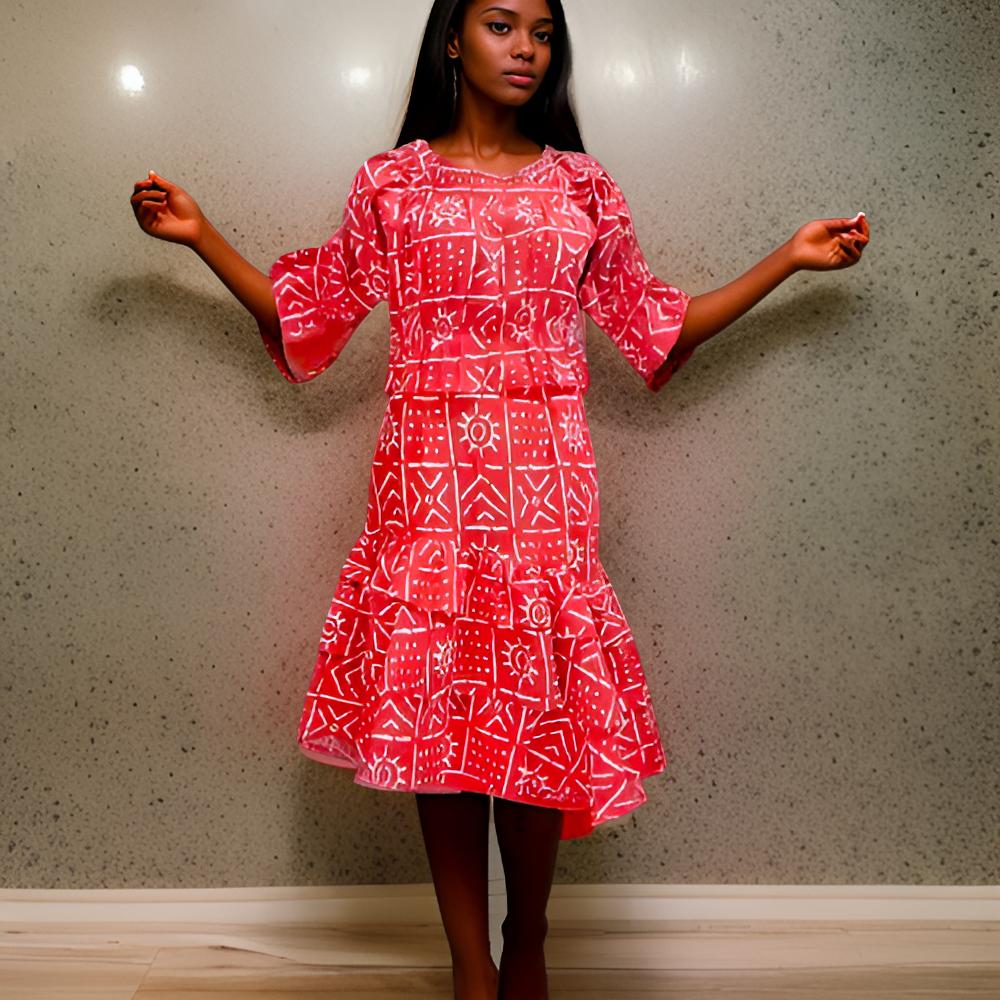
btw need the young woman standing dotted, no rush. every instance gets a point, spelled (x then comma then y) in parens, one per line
(475, 650)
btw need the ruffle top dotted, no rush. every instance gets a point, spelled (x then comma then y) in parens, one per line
(486, 276)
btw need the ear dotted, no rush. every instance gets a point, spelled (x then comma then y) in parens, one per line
(451, 46)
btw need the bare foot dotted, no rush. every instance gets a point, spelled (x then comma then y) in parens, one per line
(523, 973)
(475, 984)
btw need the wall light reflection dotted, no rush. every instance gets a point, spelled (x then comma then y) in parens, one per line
(687, 72)
(130, 79)
(358, 77)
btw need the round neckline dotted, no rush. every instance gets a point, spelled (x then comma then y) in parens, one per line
(441, 161)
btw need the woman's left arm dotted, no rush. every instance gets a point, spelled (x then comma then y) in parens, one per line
(820, 245)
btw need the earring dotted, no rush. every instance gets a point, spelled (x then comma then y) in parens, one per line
(454, 82)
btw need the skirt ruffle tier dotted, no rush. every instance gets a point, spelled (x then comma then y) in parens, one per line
(447, 668)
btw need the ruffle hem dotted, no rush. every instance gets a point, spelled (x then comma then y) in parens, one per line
(445, 668)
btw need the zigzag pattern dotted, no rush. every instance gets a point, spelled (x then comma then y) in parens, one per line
(474, 641)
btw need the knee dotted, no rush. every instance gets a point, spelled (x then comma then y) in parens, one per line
(523, 930)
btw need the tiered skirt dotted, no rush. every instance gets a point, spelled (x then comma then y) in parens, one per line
(474, 641)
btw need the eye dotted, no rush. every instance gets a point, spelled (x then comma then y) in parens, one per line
(504, 24)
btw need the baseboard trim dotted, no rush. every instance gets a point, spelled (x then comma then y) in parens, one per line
(606, 927)
(415, 903)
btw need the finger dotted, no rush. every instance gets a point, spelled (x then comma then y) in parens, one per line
(859, 235)
(154, 207)
(163, 182)
(846, 223)
(139, 203)
(848, 247)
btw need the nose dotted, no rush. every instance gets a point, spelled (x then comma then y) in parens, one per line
(523, 46)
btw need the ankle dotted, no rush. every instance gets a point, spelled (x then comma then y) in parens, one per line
(475, 968)
(524, 934)
(476, 980)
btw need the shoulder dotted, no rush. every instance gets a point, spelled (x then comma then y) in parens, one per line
(588, 181)
(392, 168)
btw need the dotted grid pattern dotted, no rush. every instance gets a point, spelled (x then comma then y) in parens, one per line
(474, 641)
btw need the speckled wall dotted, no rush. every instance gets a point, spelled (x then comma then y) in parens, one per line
(802, 527)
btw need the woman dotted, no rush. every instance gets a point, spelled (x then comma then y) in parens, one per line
(475, 649)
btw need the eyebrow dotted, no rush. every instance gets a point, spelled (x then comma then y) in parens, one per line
(504, 10)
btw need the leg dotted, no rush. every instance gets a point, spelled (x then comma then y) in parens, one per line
(528, 837)
(456, 835)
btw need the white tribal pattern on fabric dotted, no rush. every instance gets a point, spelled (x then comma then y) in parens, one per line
(474, 640)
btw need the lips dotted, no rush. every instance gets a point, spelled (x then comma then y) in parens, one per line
(529, 76)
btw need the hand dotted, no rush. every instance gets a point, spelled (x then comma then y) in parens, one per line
(828, 244)
(166, 211)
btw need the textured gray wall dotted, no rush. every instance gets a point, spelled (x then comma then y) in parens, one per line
(802, 527)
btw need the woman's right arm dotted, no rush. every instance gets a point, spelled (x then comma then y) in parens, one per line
(169, 213)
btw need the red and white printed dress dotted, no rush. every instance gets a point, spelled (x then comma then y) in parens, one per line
(474, 641)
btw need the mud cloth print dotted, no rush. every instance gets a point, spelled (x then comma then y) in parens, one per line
(474, 640)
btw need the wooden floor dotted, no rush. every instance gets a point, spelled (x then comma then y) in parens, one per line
(181, 962)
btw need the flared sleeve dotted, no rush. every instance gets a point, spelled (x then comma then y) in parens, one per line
(323, 293)
(639, 312)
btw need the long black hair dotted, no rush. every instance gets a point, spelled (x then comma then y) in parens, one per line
(432, 107)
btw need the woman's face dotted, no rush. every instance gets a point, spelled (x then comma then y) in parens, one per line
(502, 38)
